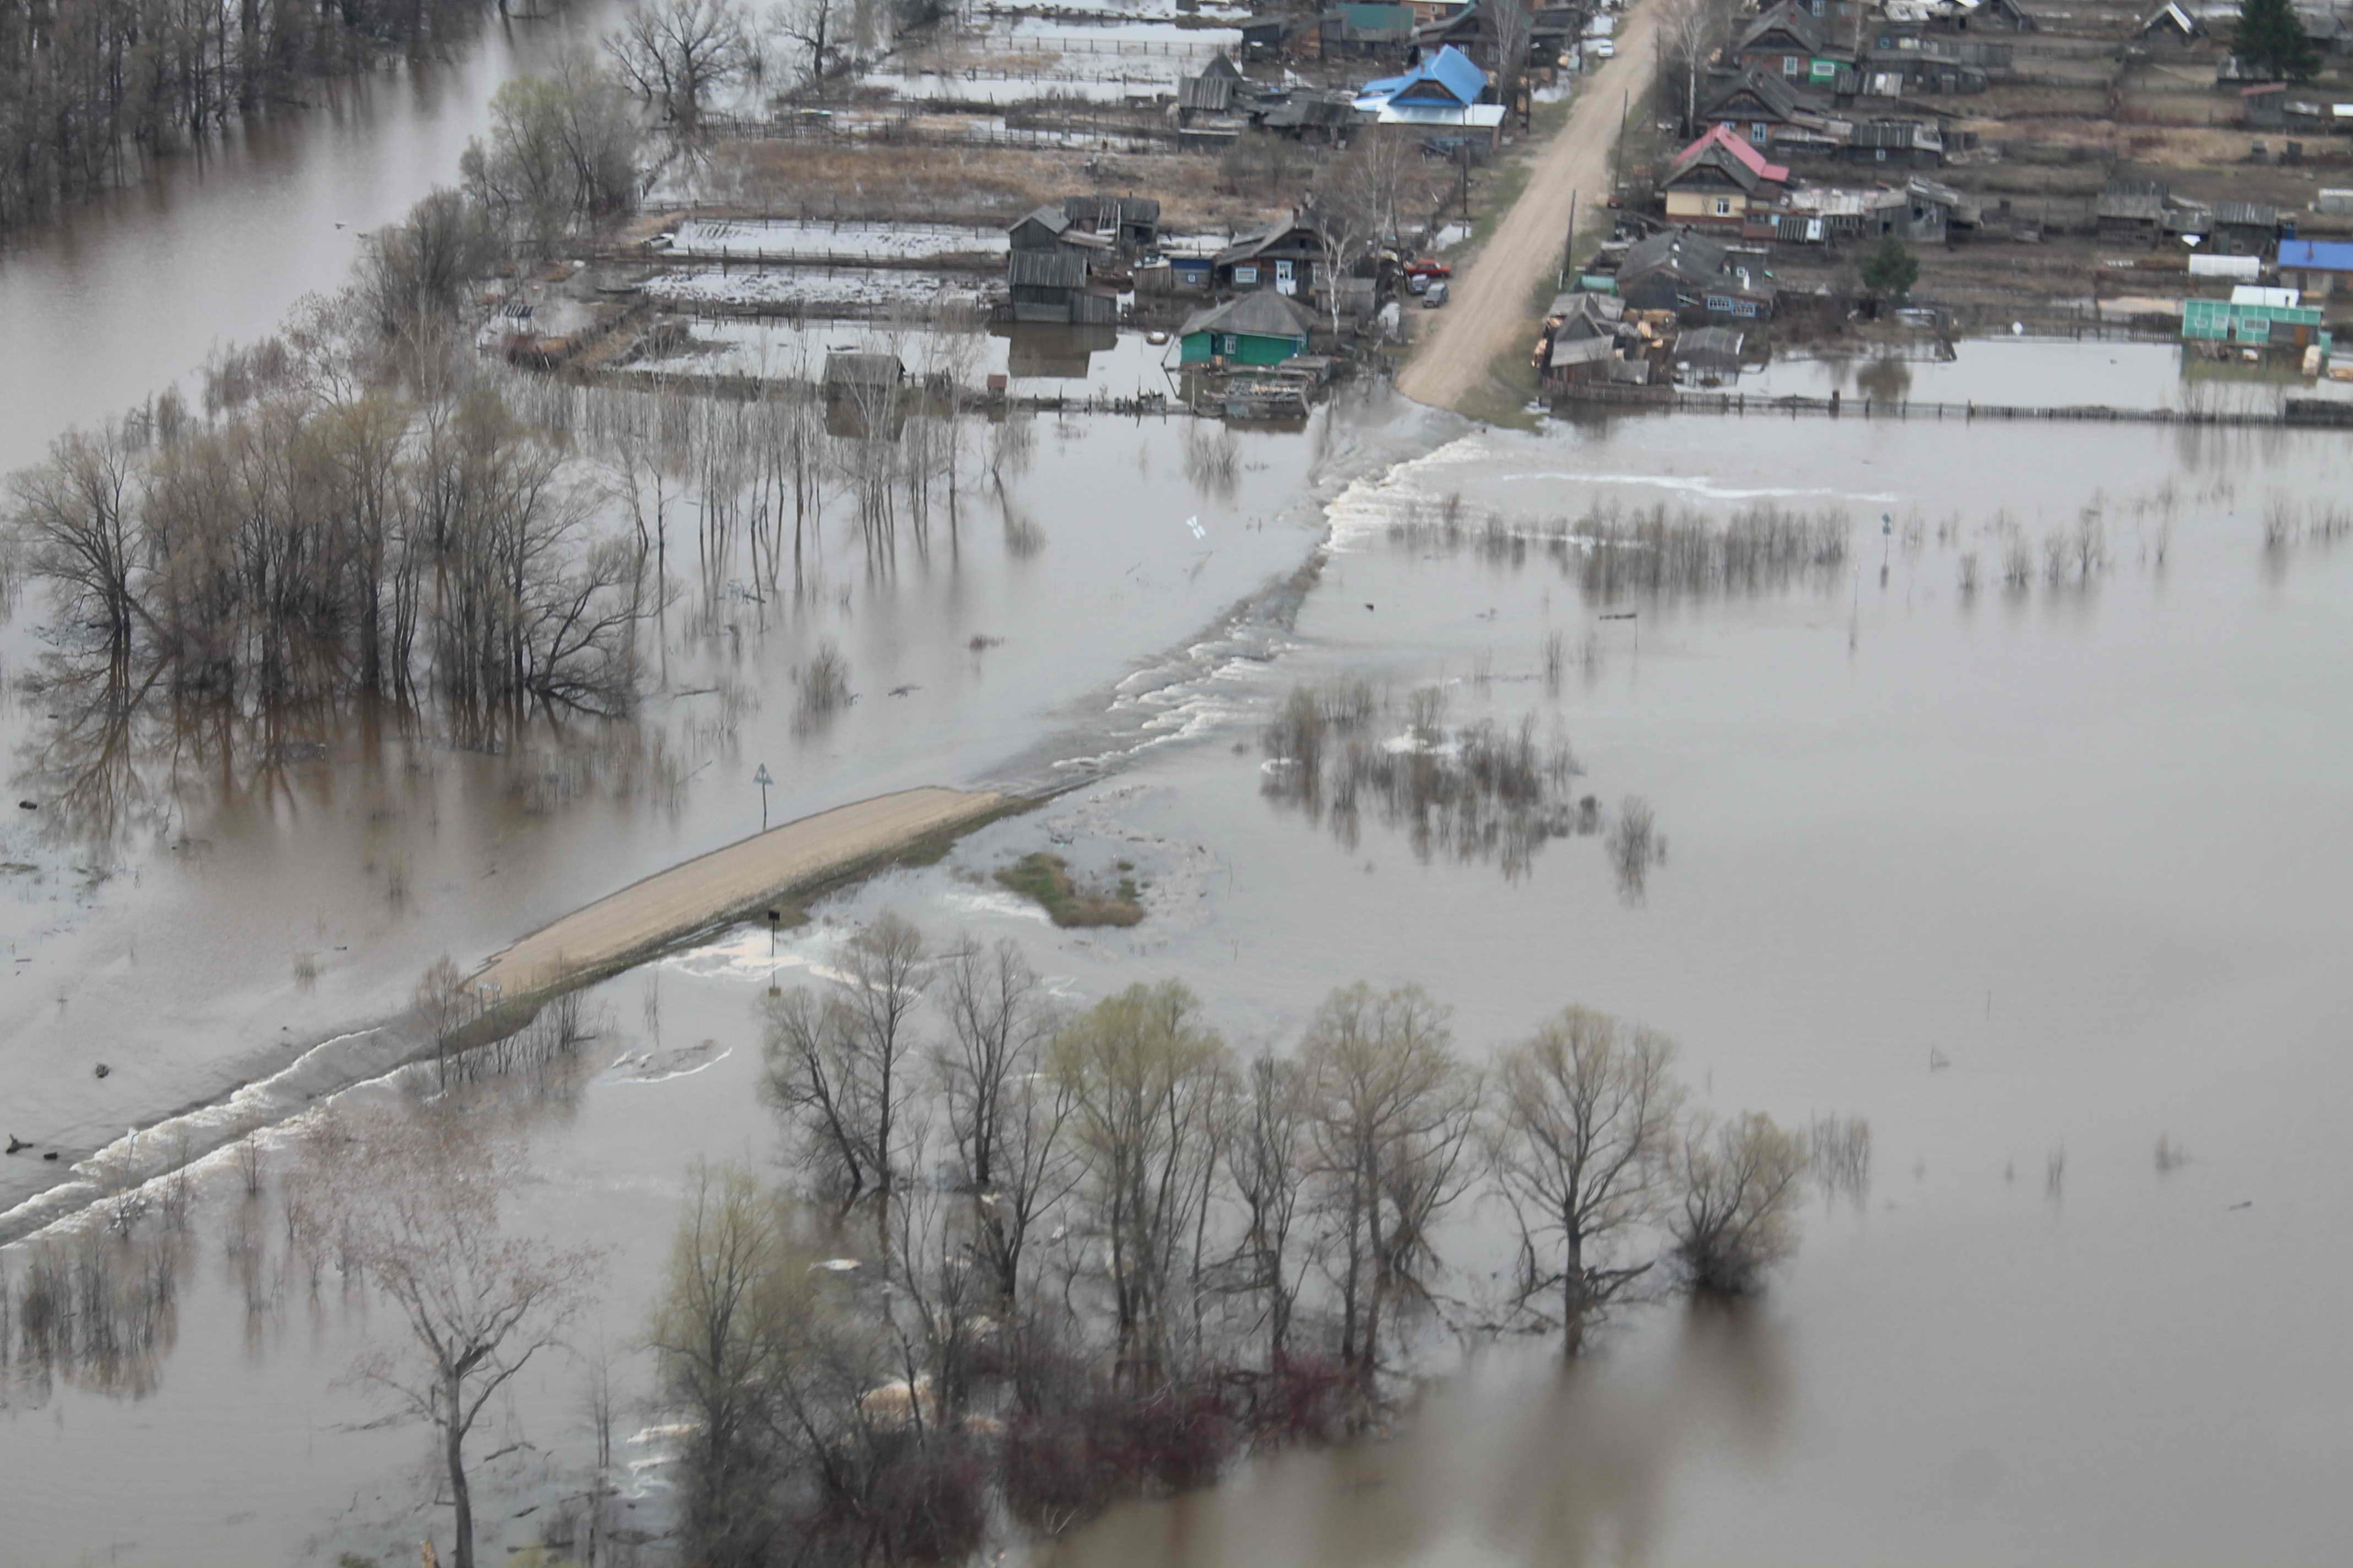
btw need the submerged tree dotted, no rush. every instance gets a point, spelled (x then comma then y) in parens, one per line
(733, 1284)
(413, 1198)
(842, 1063)
(1393, 1109)
(1741, 1183)
(677, 54)
(1146, 1082)
(1584, 1132)
(1005, 1115)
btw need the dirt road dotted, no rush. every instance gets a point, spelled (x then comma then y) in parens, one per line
(1490, 310)
(687, 897)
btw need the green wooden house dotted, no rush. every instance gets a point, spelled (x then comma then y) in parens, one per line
(1260, 328)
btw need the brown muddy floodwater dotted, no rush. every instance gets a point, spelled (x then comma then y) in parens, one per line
(126, 294)
(2032, 871)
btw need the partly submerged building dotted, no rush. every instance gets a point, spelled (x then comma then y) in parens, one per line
(1263, 328)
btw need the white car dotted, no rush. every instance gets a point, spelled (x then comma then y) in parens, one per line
(1601, 49)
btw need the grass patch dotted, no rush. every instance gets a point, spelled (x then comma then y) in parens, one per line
(1046, 880)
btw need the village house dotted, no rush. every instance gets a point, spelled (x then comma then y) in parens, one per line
(1049, 263)
(1787, 40)
(1899, 63)
(1130, 223)
(1769, 114)
(1263, 328)
(2270, 319)
(1323, 119)
(2317, 268)
(1365, 32)
(1580, 339)
(1904, 143)
(2242, 228)
(2169, 27)
(2131, 212)
(1448, 79)
(1718, 180)
(1831, 215)
(1678, 270)
(1965, 15)
(1286, 256)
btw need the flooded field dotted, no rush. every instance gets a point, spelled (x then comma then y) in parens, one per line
(1989, 784)
(274, 899)
(2040, 374)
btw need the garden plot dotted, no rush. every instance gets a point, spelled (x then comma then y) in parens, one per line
(822, 240)
(846, 289)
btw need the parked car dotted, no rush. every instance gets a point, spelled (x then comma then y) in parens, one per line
(1428, 268)
(1601, 49)
(1434, 296)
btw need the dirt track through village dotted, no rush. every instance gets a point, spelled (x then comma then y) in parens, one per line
(1490, 312)
(690, 896)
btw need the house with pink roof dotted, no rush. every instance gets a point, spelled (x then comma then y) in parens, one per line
(1718, 180)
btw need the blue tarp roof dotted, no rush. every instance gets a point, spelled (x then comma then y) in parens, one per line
(1450, 68)
(2322, 256)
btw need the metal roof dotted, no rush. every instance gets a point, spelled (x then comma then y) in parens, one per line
(1264, 314)
(2317, 255)
(1056, 268)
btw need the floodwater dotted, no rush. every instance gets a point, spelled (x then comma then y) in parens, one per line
(128, 293)
(2042, 867)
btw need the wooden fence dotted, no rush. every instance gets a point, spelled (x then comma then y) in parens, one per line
(2304, 414)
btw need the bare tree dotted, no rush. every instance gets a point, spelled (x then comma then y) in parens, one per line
(1005, 1115)
(1584, 1129)
(1515, 25)
(676, 54)
(413, 1197)
(1687, 29)
(1145, 1080)
(1742, 1181)
(1267, 1162)
(1365, 200)
(814, 26)
(1393, 1109)
(841, 1061)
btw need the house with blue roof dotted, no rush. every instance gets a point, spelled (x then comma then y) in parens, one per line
(1447, 80)
(2318, 268)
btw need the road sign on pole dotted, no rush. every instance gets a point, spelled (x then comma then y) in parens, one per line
(762, 780)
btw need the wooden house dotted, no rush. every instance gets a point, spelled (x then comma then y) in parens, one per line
(2242, 228)
(1364, 31)
(2131, 212)
(1718, 180)
(1286, 256)
(1263, 328)
(1901, 143)
(1774, 116)
(1680, 271)
(1789, 41)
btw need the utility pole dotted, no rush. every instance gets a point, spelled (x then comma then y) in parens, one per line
(1618, 149)
(1569, 251)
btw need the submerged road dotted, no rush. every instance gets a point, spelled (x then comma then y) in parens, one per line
(1492, 311)
(692, 895)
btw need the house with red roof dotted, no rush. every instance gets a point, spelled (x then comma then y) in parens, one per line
(1718, 180)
